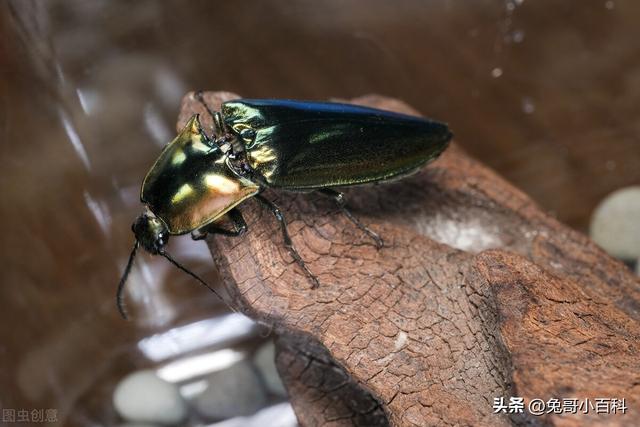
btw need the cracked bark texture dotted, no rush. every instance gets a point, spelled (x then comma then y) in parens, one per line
(477, 294)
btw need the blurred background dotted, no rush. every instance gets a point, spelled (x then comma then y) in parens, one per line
(545, 92)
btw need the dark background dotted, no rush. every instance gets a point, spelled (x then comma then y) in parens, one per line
(546, 92)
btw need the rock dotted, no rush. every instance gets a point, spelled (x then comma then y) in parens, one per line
(231, 392)
(142, 397)
(615, 224)
(264, 360)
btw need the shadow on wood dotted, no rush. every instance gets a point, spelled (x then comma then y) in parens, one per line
(476, 295)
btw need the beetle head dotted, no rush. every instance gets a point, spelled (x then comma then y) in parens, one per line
(151, 233)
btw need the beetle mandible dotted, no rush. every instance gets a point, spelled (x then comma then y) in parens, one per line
(280, 144)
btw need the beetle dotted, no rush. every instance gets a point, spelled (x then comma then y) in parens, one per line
(280, 144)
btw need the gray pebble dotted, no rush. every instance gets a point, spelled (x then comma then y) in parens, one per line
(264, 359)
(231, 392)
(142, 397)
(615, 223)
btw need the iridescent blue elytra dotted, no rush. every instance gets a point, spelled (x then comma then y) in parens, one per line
(280, 144)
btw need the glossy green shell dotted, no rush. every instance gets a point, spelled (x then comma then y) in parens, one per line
(309, 145)
(190, 184)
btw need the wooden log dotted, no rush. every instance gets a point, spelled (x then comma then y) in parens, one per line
(477, 295)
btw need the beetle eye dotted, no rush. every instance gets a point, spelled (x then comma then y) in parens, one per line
(162, 239)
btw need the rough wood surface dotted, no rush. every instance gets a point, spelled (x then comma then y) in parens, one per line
(477, 295)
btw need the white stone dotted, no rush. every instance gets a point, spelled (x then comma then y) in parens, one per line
(142, 397)
(264, 360)
(615, 223)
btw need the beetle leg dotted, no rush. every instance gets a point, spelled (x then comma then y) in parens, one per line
(342, 204)
(287, 239)
(239, 227)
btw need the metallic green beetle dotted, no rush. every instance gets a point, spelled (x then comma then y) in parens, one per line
(286, 145)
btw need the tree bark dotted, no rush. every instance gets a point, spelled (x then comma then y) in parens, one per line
(476, 295)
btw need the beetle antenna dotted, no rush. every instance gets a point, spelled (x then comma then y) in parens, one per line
(123, 280)
(190, 273)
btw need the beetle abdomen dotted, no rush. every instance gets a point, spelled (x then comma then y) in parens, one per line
(307, 145)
